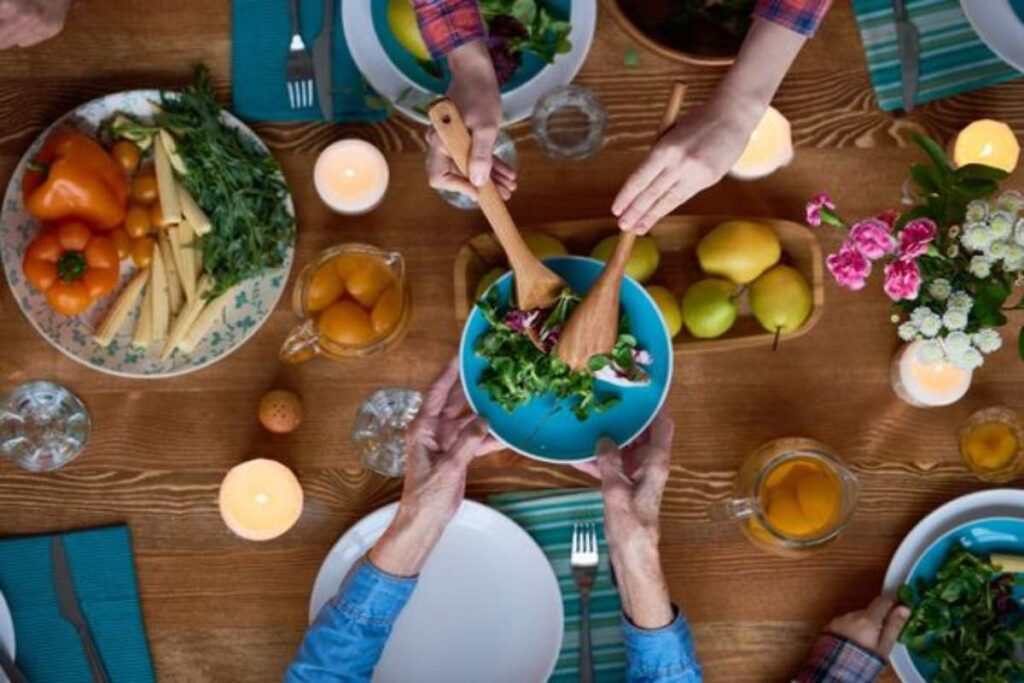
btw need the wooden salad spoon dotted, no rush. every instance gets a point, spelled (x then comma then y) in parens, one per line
(593, 326)
(536, 285)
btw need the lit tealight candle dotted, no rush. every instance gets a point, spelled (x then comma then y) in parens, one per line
(928, 384)
(986, 142)
(769, 148)
(260, 499)
(351, 176)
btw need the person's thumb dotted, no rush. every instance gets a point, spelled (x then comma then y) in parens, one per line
(467, 446)
(480, 155)
(894, 623)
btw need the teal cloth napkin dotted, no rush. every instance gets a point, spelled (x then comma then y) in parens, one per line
(48, 648)
(548, 517)
(953, 59)
(260, 33)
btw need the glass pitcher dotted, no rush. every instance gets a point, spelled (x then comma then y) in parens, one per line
(792, 495)
(371, 287)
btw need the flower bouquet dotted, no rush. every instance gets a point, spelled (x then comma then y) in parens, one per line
(950, 262)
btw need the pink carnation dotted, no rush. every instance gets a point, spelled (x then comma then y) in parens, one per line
(849, 267)
(871, 237)
(814, 207)
(916, 236)
(902, 280)
(889, 217)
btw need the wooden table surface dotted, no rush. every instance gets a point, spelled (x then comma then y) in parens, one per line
(221, 609)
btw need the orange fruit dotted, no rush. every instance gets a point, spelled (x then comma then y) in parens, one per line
(346, 263)
(386, 311)
(367, 282)
(345, 322)
(325, 287)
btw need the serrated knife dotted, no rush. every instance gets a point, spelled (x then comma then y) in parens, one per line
(909, 47)
(322, 63)
(67, 602)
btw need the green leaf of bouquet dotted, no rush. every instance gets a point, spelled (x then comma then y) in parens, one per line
(913, 214)
(934, 152)
(976, 188)
(1020, 343)
(980, 171)
(926, 178)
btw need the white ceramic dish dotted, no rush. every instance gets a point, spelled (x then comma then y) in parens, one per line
(6, 634)
(254, 303)
(411, 98)
(487, 606)
(942, 520)
(999, 27)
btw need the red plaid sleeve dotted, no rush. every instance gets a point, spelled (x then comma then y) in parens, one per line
(802, 16)
(835, 659)
(447, 24)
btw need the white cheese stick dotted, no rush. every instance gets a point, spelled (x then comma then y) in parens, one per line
(120, 309)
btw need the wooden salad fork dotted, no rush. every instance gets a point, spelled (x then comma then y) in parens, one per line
(536, 285)
(593, 327)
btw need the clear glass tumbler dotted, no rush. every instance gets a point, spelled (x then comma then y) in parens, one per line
(569, 122)
(379, 429)
(504, 149)
(43, 426)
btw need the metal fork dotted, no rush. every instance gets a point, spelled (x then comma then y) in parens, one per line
(583, 560)
(299, 66)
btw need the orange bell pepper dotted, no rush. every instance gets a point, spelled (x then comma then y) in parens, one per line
(72, 266)
(74, 177)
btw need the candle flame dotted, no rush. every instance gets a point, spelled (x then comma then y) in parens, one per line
(987, 149)
(262, 498)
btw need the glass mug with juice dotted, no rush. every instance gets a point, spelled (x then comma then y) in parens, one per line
(793, 495)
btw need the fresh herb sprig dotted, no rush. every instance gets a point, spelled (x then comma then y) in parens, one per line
(967, 622)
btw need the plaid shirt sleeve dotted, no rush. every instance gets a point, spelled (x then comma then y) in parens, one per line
(447, 24)
(802, 16)
(835, 659)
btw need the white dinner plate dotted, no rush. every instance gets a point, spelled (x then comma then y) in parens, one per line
(253, 304)
(942, 520)
(6, 634)
(487, 606)
(999, 27)
(411, 98)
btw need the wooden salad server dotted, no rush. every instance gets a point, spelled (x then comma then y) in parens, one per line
(536, 285)
(593, 326)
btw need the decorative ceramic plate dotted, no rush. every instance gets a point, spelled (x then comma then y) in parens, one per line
(6, 634)
(1000, 24)
(397, 76)
(253, 304)
(487, 606)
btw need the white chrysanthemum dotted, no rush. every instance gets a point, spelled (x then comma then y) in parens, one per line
(956, 343)
(976, 237)
(981, 266)
(940, 288)
(971, 359)
(954, 320)
(960, 301)
(976, 211)
(1000, 224)
(988, 340)
(1011, 200)
(1018, 232)
(1014, 259)
(997, 250)
(930, 352)
(907, 331)
(927, 321)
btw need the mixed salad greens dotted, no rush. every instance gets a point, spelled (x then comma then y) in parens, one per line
(968, 622)
(517, 26)
(521, 364)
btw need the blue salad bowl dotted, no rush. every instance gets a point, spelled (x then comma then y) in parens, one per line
(545, 428)
(1003, 535)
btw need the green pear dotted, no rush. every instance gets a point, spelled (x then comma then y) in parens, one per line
(643, 261)
(709, 307)
(781, 299)
(739, 250)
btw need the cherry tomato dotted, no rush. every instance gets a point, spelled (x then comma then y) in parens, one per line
(73, 236)
(142, 252)
(156, 216)
(137, 222)
(123, 243)
(127, 154)
(69, 298)
(144, 188)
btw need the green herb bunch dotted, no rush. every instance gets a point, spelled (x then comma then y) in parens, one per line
(967, 623)
(546, 35)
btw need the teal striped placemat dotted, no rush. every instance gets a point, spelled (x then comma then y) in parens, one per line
(548, 517)
(953, 59)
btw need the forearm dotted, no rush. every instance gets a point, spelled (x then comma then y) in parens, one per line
(404, 547)
(447, 24)
(641, 583)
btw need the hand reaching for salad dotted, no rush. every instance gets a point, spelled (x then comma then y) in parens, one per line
(27, 22)
(875, 627)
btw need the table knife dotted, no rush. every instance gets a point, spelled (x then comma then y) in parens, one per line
(9, 669)
(909, 50)
(67, 602)
(322, 62)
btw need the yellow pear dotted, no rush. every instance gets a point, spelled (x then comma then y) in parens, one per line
(402, 21)
(488, 279)
(739, 250)
(643, 261)
(781, 299)
(544, 245)
(668, 304)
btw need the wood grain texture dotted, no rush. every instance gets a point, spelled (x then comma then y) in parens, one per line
(221, 609)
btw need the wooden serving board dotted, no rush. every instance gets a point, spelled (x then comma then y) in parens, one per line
(677, 238)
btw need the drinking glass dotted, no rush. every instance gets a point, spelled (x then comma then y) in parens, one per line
(504, 149)
(43, 426)
(569, 122)
(379, 429)
(990, 444)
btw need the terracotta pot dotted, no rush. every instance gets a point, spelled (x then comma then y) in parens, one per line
(649, 43)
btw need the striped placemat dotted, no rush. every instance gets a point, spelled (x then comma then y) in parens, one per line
(548, 517)
(952, 60)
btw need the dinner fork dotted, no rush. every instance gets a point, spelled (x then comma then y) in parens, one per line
(299, 66)
(583, 560)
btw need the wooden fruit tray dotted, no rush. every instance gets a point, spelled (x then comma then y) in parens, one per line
(677, 238)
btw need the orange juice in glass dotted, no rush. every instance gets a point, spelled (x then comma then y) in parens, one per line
(793, 495)
(990, 444)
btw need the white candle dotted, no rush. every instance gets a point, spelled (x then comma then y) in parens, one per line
(986, 142)
(769, 148)
(351, 176)
(260, 499)
(925, 384)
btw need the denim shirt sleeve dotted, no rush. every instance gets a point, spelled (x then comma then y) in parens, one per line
(347, 638)
(661, 655)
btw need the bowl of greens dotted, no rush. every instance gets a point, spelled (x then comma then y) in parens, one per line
(966, 593)
(534, 403)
